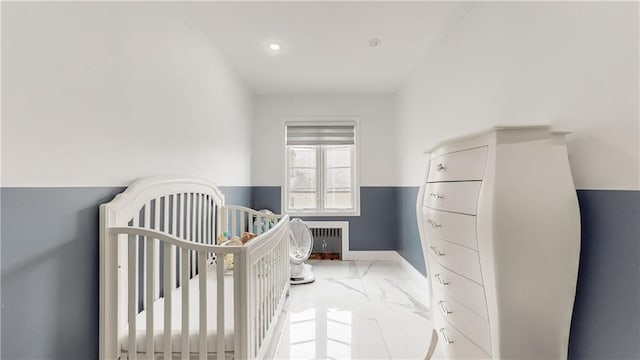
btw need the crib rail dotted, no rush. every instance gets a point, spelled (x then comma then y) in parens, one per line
(239, 219)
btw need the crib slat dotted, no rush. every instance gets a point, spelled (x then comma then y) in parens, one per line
(169, 269)
(269, 289)
(187, 216)
(207, 224)
(156, 267)
(271, 282)
(202, 263)
(265, 298)
(212, 222)
(165, 207)
(239, 279)
(220, 328)
(201, 218)
(180, 221)
(222, 225)
(253, 308)
(185, 303)
(145, 274)
(194, 233)
(242, 216)
(196, 218)
(233, 223)
(150, 295)
(132, 292)
(250, 223)
(262, 288)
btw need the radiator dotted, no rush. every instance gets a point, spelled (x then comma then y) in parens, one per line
(329, 239)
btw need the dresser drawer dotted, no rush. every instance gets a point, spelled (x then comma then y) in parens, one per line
(456, 258)
(464, 320)
(460, 197)
(456, 228)
(453, 344)
(457, 166)
(458, 287)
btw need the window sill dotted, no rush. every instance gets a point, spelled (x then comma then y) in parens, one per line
(323, 214)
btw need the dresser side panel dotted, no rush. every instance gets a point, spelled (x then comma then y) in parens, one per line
(535, 245)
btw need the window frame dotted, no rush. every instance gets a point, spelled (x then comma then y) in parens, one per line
(321, 169)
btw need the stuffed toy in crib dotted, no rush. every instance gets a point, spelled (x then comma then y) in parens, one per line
(234, 241)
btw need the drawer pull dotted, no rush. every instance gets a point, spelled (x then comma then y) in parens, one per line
(434, 224)
(446, 339)
(442, 282)
(444, 309)
(436, 196)
(440, 167)
(436, 251)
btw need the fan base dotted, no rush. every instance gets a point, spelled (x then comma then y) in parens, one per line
(301, 274)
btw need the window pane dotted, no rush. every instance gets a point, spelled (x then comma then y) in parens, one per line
(338, 200)
(338, 194)
(302, 156)
(338, 179)
(338, 156)
(300, 200)
(303, 189)
(302, 180)
(303, 175)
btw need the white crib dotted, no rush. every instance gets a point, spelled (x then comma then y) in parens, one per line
(164, 289)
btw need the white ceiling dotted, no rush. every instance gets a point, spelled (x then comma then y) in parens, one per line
(325, 45)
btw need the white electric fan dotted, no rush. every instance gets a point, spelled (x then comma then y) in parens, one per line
(300, 245)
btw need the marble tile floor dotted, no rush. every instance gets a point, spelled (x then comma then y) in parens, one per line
(356, 310)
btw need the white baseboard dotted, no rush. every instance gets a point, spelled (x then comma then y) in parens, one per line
(369, 255)
(417, 275)
(385, 255)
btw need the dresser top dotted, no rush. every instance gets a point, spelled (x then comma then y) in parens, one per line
(496, 128)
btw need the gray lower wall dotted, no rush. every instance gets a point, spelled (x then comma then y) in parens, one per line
(49, 269)
(606, 316)
(409, 245)
(50, 264)
(375, 229)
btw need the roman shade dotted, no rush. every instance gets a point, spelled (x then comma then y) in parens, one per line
(320, 134)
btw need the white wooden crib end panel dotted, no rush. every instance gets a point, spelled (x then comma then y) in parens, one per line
(143, 190)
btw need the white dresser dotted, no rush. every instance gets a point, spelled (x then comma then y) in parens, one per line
(500, 228)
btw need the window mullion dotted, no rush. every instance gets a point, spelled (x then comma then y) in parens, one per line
(321, 176)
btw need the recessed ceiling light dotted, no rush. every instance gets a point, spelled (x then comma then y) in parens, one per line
(374, 42)
(274, 46)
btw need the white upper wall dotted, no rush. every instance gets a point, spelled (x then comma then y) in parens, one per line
(573, 65)
(376, 133)
(98, 94)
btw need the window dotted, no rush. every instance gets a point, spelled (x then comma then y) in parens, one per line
(321, 169)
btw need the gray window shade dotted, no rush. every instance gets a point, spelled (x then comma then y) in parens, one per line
(321, 135)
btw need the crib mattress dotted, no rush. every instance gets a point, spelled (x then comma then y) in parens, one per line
(194, 318)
